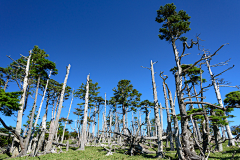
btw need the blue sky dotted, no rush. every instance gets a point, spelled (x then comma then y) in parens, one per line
(111, 40)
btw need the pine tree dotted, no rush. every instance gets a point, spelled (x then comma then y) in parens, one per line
(127, 97)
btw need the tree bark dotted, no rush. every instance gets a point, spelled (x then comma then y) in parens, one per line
(20, 111)
(231, 141)
(24, 151)
(67, 117)
(83, 135)
(156, 113)
(94, 120)
(169, 122)
(51, 135)
(6, 83)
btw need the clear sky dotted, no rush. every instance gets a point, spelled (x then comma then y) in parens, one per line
(111, 39)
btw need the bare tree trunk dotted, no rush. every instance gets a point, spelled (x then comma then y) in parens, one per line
(175, 120)
(24, 151)
(51, 135)
(110, 129)
(217, 136)
(124, 119)
(98, 121)
(157, 120)
(40, 107)
(140, 122)
(84, 126)
(67, 117)
(197, 132)
(42, 136)
(148, 124)
(56, 107)
(231, 141)
(115, 126)
(104, 118)
(223, 133)
(20, 111)
(103, 128)
(39, 110)
(53, 104)
(94, 120)
(169, 128)
(133, 127)
(88, 124)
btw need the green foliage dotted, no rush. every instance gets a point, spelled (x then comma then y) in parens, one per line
(198, 117)
(39, 64)
(9, 102)
(235, 130)
(174, 23)
(5, 140)
(232, 98)
(192, 73)
(93, 98)
(144, 107)
(126, 96)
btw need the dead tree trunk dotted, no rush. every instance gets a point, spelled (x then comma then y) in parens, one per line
(51, 135)
(84, 125)
(175, 120)
(67, 117)
(218, 95)
(94, 120)
(169, 122)
(24, 151)
(20, 111)
(157, 120)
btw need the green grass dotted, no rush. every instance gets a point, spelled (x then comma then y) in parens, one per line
(99, 153)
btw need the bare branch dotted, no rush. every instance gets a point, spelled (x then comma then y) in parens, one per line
(223, 71)
(17, 62)
(221, 63)
(146, 67)
(185, 70)
(24, 56)
(14, 132)
(210, 104)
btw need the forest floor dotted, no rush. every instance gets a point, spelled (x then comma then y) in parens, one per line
(99, 153)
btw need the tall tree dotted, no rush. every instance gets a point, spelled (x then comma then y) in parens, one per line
(22, 101)
(84, 127)
(219, 99)
(145, 105)
(127, 97)
(175, 24)
(51, 135)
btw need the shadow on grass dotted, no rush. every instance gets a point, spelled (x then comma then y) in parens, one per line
(73, 148)
(228, 154)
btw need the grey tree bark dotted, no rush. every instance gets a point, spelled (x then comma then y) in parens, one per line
(169, 122)
(231, 141)
(51, 135)
(20, 111)
(175, 120)
(67, 117)
(156, 113)
(24, 151)
(94, 120)
(84, 125)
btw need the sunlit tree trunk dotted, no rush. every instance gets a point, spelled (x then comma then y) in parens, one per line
(219, 99)
(51, 135)
(156, 113)
(169, 126)
(84, 125)
(24, 151)
(67, 117)
(20, 111)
